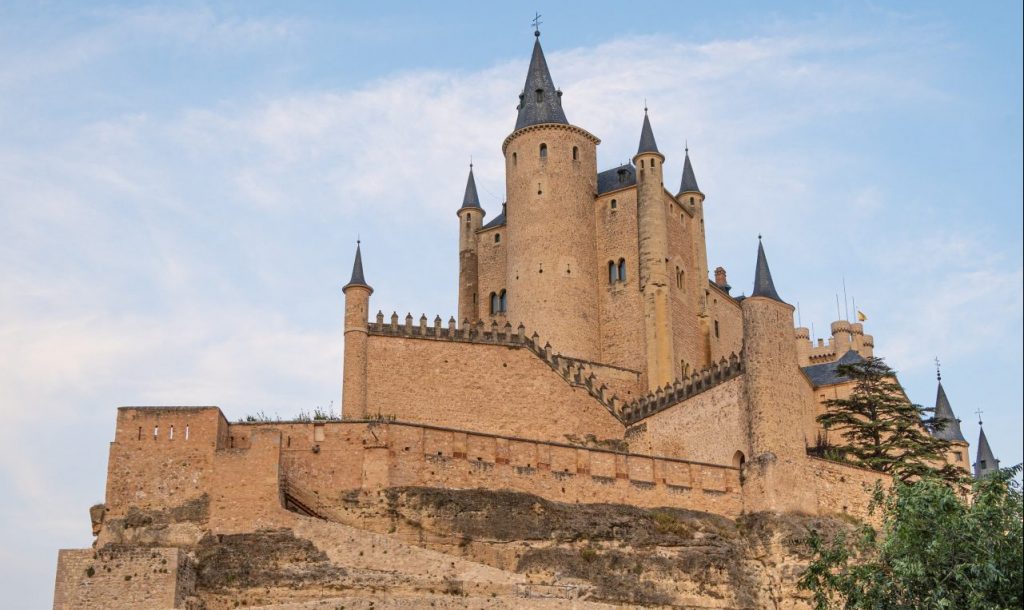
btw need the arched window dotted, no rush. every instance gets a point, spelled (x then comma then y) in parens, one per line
(494, 303)
(468, 218)
(497, 238)
(575, 153)
(613, 272)
(503, 302)
(622, 270)
(738, 459)
(691, 200)
(543, 151)
(679, 278)
(641, 163)
(615, 204)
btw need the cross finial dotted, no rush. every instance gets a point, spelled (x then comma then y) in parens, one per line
(686, 146)
(978, 413)
(938, 369)
(536, 24)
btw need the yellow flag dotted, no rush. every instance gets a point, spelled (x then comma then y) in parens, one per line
(860, 316)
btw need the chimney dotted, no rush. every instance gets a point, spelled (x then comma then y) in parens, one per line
(720, 279)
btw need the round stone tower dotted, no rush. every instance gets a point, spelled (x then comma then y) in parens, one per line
(357, 303)
(470, 216)
(551, 182)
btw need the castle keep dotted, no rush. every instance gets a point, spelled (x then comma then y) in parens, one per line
(591, 361)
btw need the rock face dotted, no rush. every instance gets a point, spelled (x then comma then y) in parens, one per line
(417, 547)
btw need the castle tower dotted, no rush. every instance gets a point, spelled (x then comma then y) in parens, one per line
(653, 247)
(958, 452)
(471, 216)
(778, 399)
(987, 462)
(357, 305)
(692, 198)
(551, 179)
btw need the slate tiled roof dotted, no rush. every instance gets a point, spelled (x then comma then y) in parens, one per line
(616, 178)
(689, 182)
(357, 270)
(763, 284)
(647, 143)
(497, 221)
(944, 411)
(546, 109)
(827, 374)
(470, 199)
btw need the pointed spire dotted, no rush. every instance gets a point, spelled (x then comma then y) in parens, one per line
(357, 270)
(689, 183)
(987, 462)
(540, 102)
(471, 199)
(944, 412)
(647, 143)
(763, 284)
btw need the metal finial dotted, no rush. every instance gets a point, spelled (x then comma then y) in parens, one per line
(536, 24)
(645, 105)
(758, 237)
(686, 146)
(978, 413)
(470, 161)
(938, 369)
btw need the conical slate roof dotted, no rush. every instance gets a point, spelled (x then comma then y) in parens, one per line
(987, 462)
(763, 284)
(539, 102)
(357, 270)
(471, 199)
(944, 412)
(689, 183)
(647, 143)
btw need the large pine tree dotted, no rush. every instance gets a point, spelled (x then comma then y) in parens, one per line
(882, 430)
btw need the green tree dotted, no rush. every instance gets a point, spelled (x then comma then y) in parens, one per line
(937, 550)
(882, 430)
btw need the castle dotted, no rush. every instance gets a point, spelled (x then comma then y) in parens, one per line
(592, 360)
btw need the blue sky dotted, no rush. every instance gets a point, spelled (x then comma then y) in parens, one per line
(181, 188)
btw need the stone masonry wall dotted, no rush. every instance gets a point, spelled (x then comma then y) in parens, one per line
(490, 388)
(687, 428)
(491, 257)
(140, 578)
(843, 489)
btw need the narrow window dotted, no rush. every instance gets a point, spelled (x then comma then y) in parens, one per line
(497, 238)
(613, 273)
(186, 432)
(494, 303)
(716, 329)
(468, 218)
(540, 95)
(503, 302)
(622, 270)
(171, 434)
(156, 432)
(575, 153)
(681, 216)
(691, 200)
(615, 204)
(140, 433)
(679, 278)
(543, 151)
(653, 161)
(641, 163)
(515, 160)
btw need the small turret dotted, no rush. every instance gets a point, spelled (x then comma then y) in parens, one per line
(357, 304)
(689, 181)
(471, 216)
(987, 462)
(654, 279)
(764, 286)
(944, 412)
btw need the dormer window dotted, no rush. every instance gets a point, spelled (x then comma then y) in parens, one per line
(623, 175)
(540, 95)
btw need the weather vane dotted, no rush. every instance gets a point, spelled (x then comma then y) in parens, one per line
(536, 24)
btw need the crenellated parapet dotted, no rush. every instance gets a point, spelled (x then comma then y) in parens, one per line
(575, 372)
(682, 389)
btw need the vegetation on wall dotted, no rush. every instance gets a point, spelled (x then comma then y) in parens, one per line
(882, 430)
(936, 549)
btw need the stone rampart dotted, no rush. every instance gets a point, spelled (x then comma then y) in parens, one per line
(842, 488)
(143, 578)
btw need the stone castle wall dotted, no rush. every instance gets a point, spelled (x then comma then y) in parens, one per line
(124, 577)
(499, 389)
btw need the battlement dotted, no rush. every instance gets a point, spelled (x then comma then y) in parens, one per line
(576, 372)
(682, 389)
(845, 336)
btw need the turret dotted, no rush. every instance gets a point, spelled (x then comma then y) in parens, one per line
(653, 248)
(986, 463)
(779, 400)
(949, 430)
(551, 178)
(357, 303)
(691, 196)
(470, 218)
